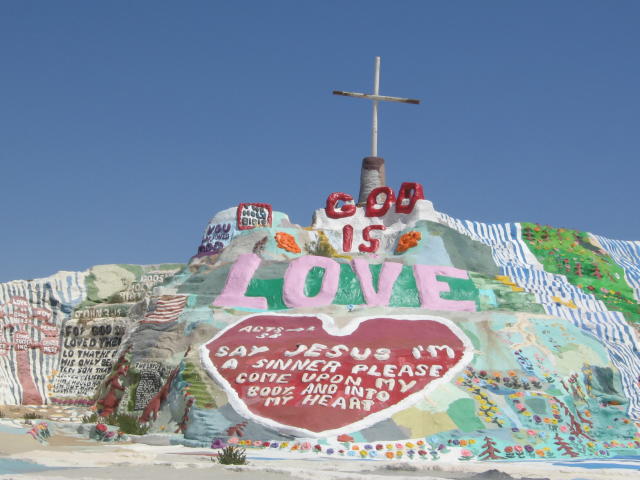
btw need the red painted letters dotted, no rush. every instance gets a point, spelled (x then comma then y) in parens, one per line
(374, 243)
(347, 238)
(347, 209)
(410, 192)
(372, 202)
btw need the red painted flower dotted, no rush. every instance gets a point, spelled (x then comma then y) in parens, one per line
(101, 427)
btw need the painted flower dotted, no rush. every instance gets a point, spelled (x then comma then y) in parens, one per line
(101, 427)
(218, 443)
(466, 453)
(518, 448)
(389, 455)
(330, 451)
(407, 241)
(287, 242)
(233, 441)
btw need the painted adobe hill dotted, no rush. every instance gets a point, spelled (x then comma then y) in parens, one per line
(386, 330)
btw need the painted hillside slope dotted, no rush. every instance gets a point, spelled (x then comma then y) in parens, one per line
(389, 331)
(59, 335)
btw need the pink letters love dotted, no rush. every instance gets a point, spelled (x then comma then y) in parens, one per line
(429, 288)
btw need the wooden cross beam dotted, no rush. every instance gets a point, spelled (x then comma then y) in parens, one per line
(376, 97)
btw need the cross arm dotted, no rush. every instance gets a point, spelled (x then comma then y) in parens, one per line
(382, 98)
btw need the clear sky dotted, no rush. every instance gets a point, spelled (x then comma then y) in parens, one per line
(124, 126)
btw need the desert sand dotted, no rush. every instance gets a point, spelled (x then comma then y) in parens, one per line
(70, 456)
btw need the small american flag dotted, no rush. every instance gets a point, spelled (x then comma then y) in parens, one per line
(168, 308)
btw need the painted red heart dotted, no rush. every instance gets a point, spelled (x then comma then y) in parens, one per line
(302, 375)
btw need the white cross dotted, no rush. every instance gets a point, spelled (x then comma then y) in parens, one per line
(376, 97)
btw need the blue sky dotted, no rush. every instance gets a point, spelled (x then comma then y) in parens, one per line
(124, 126)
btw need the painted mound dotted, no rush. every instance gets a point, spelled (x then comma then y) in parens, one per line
(391, 331)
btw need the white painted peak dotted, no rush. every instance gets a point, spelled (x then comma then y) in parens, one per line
(224, 216)
(392, 221)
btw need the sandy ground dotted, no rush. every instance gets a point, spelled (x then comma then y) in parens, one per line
(75, 458)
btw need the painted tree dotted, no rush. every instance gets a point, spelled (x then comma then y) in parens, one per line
(24, 327)
(574, 426)
(490, 450)
(113, 388)
(564, 447)
(150, 413)
(237, 430)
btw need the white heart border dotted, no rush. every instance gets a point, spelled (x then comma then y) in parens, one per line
(329, 326)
